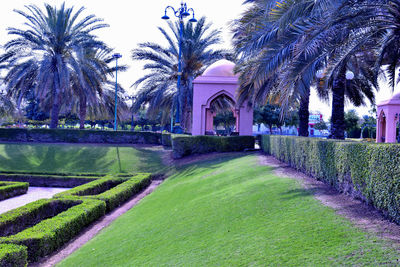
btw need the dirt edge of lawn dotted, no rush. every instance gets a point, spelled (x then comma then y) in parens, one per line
(359, 213)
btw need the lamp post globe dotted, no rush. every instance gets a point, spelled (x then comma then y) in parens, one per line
(116, 56)
(181, 13)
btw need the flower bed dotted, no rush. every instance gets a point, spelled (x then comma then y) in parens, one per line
(366, 171)
(45, 225)
(12, 189)
(111, 190)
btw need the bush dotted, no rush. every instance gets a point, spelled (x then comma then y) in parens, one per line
(12, 189)
(111, 190)
(13, 255)
(187, 145)
(47, 235)
(79, 136)
(166, 139)
(48, 180)
(366, 171)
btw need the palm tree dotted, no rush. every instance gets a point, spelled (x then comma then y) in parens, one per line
(44, 56)
(265, 40)
(158, 88)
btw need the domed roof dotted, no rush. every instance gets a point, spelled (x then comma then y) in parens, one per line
(394, 100)
(221, 68)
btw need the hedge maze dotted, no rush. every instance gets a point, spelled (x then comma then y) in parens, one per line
(12, 189)
(41, 227)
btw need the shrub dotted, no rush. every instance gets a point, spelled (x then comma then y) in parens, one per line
(366, 171)
(111, 190)
(13, 255)
(79, 136)
(48, 235)
(166, 139)
(12, 189)
(187, 145)
(48, 180)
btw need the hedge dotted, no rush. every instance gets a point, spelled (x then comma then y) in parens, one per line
(78, 136)
(187, 145)
(111, 190)
(47, 235)
(48, 180)
(166, 139)
(12, 189)
(13, 255)
(367, 171)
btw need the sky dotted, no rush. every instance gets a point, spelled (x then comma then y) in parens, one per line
(136, 21)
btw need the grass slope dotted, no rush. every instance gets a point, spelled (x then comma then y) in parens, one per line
(74, 158)
(231, 211)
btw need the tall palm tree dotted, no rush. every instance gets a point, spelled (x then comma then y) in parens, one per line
(44, 56)
(265, 41)
(158, 88)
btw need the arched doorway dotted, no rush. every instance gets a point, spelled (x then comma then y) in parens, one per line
(218, 83)
(382, 127)
(221, 112)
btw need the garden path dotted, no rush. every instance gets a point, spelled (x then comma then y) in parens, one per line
(359, 213)
(33, 194)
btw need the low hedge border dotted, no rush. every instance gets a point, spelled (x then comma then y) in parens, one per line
(188, 145)
(366, 171)
(48, 180)
(113, 197)
(13, 255)
(50, 234)
(166, 139)
(78, 136)
(12, 189)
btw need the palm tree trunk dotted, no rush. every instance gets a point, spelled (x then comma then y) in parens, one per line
(55, 111)
(337, 122)
(82, 111)
(304, 114)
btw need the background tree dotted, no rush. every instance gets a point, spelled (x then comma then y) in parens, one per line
(351, 124)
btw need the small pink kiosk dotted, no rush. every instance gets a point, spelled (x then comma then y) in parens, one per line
(387, 121)
(218, 80)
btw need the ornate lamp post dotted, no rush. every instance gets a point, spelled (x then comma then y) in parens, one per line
(181, 13)
(116, 56)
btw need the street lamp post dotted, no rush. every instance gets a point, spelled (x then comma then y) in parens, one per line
(180, 13)
(116, 56)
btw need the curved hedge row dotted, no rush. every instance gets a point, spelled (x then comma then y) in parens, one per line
(13, 255)
(185, 145)
(46, 236)
(111, 190)
(367, 171)
(12, 189)
(78, 136)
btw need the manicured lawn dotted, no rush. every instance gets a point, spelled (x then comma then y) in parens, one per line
(231, 212)
(77, 158)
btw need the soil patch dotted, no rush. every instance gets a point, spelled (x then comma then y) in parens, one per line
(359, 213)
(93, 230)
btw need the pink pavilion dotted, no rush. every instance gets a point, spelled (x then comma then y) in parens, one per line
(218, 80)
(388, 117)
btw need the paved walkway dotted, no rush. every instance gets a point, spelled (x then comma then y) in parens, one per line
(33, 194)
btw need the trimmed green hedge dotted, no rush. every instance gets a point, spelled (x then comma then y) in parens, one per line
(187, 145)
(46, 236)
(48, 180)
(111, 190)
(13, 255)
(166, 139)
(370, 172)
(78, 136)
(12, 189)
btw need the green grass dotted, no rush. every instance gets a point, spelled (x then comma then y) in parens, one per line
(231, 212)
(77, 158)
